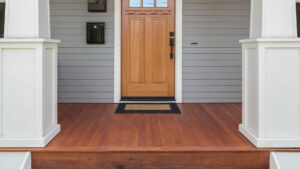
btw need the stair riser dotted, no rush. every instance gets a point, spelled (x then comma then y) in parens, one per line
(151, 160)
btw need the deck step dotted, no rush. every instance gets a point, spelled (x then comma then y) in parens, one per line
(15, 160)
(285, 160)
(151, 160)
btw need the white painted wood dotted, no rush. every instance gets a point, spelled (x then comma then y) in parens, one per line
(28, 76)
(15, 160)
(284, 160)
(271, 76)
(44, 30)
(271, 92)
(273, 18)
(273, 161)
(117, 51)
(178, 52)
(28, 92)
(27, 19)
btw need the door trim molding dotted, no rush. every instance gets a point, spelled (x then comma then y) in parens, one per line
(117, 50)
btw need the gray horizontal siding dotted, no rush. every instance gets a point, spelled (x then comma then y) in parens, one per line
(212, 68)
(85, 72)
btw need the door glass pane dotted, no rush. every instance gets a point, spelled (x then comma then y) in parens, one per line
(161, 3)
(148, 3)
(134, 3)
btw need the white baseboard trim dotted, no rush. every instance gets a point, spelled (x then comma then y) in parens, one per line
(51, 134)
(275, 142)
(248, 134)
(30, 142)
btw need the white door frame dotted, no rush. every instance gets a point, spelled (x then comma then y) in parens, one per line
(117, 51)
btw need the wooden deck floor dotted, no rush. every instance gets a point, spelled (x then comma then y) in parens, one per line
(203, 136)
(200, 127)
(95, 127)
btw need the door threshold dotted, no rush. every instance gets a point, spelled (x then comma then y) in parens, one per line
(148, 102)
(149, 99)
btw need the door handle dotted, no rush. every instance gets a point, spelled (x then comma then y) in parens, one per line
(172, 43)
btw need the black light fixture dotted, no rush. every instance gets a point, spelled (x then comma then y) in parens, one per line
(97, 5)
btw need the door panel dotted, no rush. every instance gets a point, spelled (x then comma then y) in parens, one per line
(147, 69)
(159, 53)
(137, 50)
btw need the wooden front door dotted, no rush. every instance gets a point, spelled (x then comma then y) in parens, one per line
(147, 64)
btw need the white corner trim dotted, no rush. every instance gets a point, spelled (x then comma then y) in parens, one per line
(117, 51)
(30, 142)
(178, 51)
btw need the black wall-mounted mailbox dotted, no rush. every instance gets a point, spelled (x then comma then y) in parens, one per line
(95, 33)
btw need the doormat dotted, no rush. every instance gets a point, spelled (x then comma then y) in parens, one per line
(162, 108)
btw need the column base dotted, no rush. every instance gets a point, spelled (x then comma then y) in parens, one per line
(30, 142)
(271, 87)
(28, 92)
(280, 142)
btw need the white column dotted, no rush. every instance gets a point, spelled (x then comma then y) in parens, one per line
(27, 19)
(273, 19)
(28, 76)
(271, 76)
